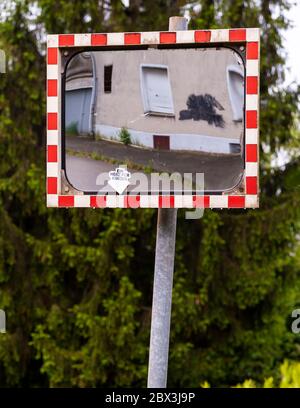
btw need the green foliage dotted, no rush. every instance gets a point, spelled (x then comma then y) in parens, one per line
(289, 378)
(124, 136)
(76, 284)
(106, 337)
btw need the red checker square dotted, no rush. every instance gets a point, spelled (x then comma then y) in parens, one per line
(98, 201)
(237, 35)
(66, 40)
(52, 87)
(99, 39)
(66, 201)
(52, 154)
(251, 119)
(252, 50)
(236, 202)
(202, 36)
(201, 201)
(251, 152)
(52, 121)
(51, 185)
(251, 185)
(166, 202)
(132, 201)
(52, 54)
(132, 38)
(251, 85)
(167, 38)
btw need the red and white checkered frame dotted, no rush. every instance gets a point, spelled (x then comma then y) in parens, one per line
(247, 36)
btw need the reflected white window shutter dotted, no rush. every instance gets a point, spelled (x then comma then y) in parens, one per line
(156, 89)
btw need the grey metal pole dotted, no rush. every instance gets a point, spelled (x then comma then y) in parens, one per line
(163, 280)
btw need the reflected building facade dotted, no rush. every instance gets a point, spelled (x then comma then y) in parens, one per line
(188, 102)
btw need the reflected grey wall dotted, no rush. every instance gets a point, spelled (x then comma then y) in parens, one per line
(189, 73)
(178, 110)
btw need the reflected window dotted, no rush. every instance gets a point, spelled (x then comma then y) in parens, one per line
(235, 83)
(78, 96)
(156, 90)
(107, 78)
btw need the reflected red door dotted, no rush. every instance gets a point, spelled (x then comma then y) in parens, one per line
(161, 142)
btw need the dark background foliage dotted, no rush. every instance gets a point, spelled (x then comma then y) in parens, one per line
(76, 284)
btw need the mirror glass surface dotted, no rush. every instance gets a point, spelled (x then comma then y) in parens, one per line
(155, 110)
